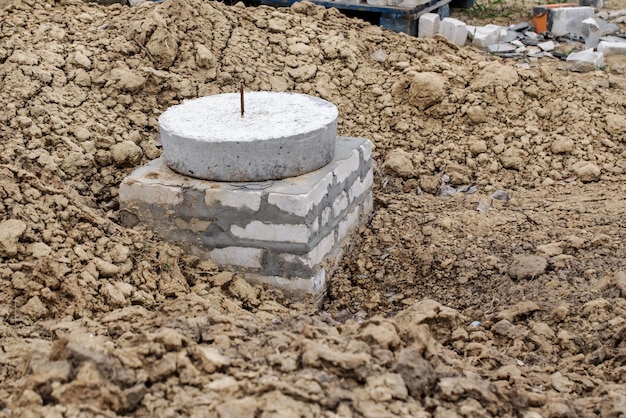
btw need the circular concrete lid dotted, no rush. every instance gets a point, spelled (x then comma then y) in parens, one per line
(280, 135)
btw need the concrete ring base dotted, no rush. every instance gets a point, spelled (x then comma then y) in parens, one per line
(280, 135)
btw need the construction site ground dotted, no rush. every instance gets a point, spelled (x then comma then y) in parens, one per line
(506, 298)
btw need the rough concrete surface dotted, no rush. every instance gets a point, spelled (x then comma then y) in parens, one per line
(424, 317)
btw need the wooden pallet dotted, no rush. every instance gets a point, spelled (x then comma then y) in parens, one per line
(396, 18)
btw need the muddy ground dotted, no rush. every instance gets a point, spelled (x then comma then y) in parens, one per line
(490, 280)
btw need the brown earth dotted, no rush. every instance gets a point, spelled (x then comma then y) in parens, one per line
(508, 301)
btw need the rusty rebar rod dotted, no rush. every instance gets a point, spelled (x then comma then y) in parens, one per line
(241, 98)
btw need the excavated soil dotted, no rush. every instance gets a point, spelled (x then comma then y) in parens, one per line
(489, 281)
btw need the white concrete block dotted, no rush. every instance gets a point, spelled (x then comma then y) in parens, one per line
(428, 25)
(591, 32)
(347, 168)
(453, 30)
(588, 56)
(236, 199)
(360, 186)
(321, 250)
(257, 230)
(301, 204)
(612, 48)
(326, 215)
(151, 194)
(366, 150)
(568, 20)
(340, 204)
(237, 256)
(347, 225)
(377, 2)
(486, 35)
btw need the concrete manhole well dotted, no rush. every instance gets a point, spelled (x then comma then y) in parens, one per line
(282, 219)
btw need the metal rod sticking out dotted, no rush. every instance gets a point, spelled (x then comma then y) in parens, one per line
(241, 98)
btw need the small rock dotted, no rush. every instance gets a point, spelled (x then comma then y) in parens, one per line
(562, 146)
(501, 48)
(527, 267)
(616, 125)
(10, 233)
(34, 308)
(547, 46)
(210, 359)
(113, 295)
(587, 60)
(430, 184)
(379, 56)
(380, 333)
(399, 163)
(427, 89)
(172, 340)
(106, 269)
(417, 373)
(502, 195)
(586, 171)
(126, 153)
(40, 250)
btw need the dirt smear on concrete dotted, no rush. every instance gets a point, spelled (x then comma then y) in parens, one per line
(490, 280)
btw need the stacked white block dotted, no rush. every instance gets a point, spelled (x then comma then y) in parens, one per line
(287, 233)
(612, 48)
(453, 30)
(483, 36)
(428, 25)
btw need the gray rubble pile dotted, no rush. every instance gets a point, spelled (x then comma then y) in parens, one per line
(574, 34)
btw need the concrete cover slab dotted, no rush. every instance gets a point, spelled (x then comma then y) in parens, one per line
(280, 135)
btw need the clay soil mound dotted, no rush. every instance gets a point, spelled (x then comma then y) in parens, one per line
(490, 280)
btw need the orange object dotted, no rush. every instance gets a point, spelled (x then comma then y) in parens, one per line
(541, 18)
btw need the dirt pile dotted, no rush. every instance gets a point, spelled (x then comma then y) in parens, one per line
(525, 257)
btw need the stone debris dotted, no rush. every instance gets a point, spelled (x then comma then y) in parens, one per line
(587, 60)
(428, 25)
(572, 30)
(484, 36)
(453, 30)
(568, 20)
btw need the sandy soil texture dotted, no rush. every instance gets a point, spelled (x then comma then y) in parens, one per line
(490, 280)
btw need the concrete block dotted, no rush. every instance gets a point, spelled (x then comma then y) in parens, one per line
(586, 59)
(300, 204)
(260, 231)
(236, 199)
(453, 30)
(612, 48)
(348, 168)
(376, 2)
(428, 25)
(484, 36)
(568, 20)
(237, 256)
(285, 233)
(591, 32)
(501, 48)
(340, 204)
(360, 186)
